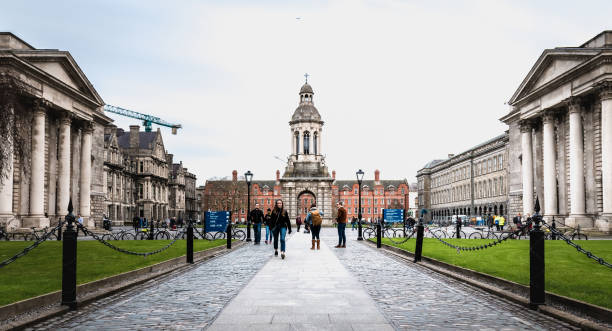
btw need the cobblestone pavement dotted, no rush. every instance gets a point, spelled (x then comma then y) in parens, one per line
(413, 297)
(186, 300)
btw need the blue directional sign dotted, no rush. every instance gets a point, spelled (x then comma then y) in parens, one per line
(393, 215)
(216, 221)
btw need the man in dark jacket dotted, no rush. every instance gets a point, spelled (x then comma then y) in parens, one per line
(256, 217)
(341, 219)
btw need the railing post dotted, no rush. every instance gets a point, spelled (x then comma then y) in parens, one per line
(69, 260)
(151, 230)
(189, 242)
(458, 227)
(553, 228)
(419, 241)
(378, 235)
(228, 235)
(59, 231)
(537, 294)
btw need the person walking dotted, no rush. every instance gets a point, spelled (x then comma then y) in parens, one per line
(267, 220)
(502, 222)
(135, 221)
(257, 217)
(298, 222)
(314, 220)
(282, 224)
(341, 220)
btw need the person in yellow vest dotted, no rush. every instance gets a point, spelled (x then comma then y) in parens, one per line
(502, 222)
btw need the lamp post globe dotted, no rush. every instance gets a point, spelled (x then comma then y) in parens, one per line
(359, 174)
(248, 176)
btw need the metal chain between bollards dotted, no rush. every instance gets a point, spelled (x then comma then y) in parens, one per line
(31, 247)
(475, 248)
(405, 238)
(106, 243)
(578, 247)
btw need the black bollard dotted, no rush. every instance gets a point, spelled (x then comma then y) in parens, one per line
(378, 235)
(419, 241)
(228, 235)
(69, 261)
(553, 228)
(458, 227)
(537, 295)
(189, 242)
(59, 231)
(151, 230)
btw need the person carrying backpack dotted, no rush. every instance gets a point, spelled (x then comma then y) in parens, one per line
(315, 220)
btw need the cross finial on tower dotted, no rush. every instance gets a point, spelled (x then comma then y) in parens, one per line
(306, 75)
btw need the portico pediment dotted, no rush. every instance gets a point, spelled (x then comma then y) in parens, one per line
(56, 68)
(551, 66)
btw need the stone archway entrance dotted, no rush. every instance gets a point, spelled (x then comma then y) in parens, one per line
(304, 200)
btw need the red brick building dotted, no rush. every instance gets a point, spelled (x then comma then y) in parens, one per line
(231, 194)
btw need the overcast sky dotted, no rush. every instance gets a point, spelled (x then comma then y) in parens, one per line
(398, 83)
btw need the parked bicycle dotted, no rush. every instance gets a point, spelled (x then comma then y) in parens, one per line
(480, 233)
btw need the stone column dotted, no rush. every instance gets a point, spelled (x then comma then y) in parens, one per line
(63, 182)
(550, 178)
(576, 161)
(85, 180)
(36, 216)
(606, 156)
(6, 183)
(320, 135)
(527, 168)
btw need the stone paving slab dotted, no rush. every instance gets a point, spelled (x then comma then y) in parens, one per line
(309, 290)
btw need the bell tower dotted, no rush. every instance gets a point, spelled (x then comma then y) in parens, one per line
(306, 170)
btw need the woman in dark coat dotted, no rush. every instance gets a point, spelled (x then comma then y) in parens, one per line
(280, 225)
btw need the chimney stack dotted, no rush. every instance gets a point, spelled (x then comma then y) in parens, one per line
(277, 175)
(333, 174)
(377, 175)
(235, 176)
(134, 136)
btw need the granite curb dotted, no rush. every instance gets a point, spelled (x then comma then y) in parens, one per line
(45, 306)
(571, 308)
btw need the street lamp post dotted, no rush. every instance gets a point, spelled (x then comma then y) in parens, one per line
(248, 176)
(359, 174)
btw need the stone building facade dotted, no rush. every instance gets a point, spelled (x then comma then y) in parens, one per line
(472, 183)
(191, 204)
(56, 154)
(560, 135)
(120, 193)
(136, 175)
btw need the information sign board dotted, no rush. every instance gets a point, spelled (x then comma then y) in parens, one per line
(216, 221)
(393, 215)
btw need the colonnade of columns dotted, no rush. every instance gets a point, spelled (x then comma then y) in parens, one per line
(298, 142)
(35, 216)
(577, 213)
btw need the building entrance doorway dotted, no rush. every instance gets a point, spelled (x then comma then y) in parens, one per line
(304, 200)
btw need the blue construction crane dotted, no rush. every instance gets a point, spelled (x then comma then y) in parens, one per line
(147, 120)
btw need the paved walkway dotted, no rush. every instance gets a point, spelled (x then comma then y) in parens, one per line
(357, 288)
(309, 290)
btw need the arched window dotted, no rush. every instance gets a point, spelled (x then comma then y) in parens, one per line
(297, 143)
(306, 142)
(315, 143)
